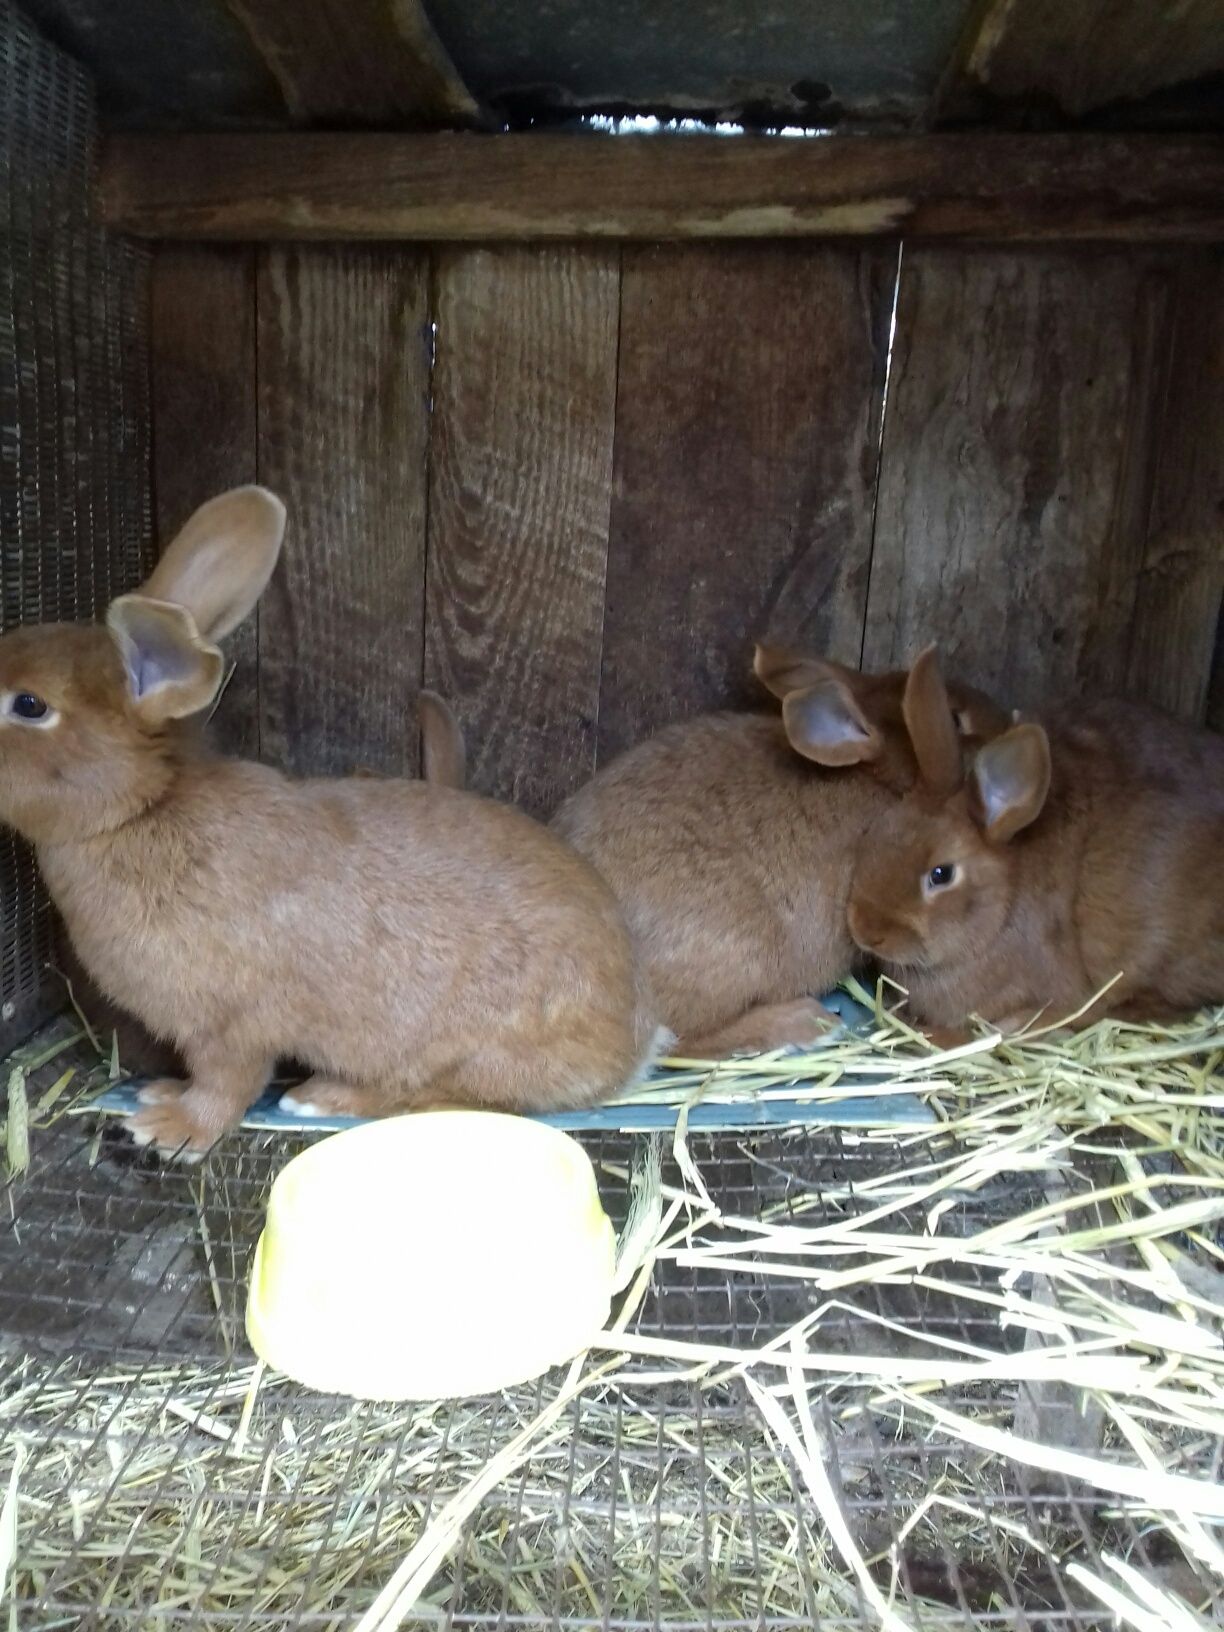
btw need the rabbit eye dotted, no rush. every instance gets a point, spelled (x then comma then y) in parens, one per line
(25, 705)
(940, 877)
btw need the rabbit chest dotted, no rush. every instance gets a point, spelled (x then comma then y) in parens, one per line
(153, 923)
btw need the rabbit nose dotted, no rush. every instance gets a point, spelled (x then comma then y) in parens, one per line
(866, 927)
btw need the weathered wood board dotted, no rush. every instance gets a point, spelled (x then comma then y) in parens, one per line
(520, 485)
(751, 379)
(1015, 474)
(568, 486)
(343, 421)
(1181, 582)
(204, 439)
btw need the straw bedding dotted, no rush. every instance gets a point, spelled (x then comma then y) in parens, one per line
(1046, 1442)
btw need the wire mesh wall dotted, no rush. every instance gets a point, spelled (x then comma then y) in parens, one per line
(656, 1501)
(74, 415)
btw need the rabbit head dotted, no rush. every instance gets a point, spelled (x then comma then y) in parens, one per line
(933, 876)
(88, 713)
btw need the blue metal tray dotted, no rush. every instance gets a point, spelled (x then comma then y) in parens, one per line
(865, 1103)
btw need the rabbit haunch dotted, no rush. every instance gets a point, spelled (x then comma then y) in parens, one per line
(1077, 855)
(729, 842)
(409, 942)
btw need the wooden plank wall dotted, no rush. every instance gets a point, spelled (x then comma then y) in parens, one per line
(568, 486)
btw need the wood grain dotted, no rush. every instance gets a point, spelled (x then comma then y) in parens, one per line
(202, 347)
(1215, 690)
(521, 470)
(343, 418)
(1016, 468)
(1067, 61)
(747, 436)
(531, 185)
(357, 62)
(1181, 582)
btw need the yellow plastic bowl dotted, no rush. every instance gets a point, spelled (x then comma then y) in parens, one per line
(423, 1257)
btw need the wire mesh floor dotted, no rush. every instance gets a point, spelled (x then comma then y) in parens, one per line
(145, 1500)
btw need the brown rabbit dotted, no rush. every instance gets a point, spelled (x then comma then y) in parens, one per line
(140, 1053)
(1069, 854)
(404, 940)
(729, 840)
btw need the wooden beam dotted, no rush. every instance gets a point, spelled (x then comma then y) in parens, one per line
(357, 62)
(1058, 61)
(532, 186)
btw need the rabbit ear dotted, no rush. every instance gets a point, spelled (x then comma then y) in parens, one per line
(171, 670)
(976, 716)
(443, 755)
(1010, 781)
(782, 670)
(219, 565)
(824, 722)
(931, 726)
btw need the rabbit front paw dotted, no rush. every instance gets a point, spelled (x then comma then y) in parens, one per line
(170, 1122)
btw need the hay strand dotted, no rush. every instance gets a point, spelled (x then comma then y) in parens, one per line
(1063, 1207)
